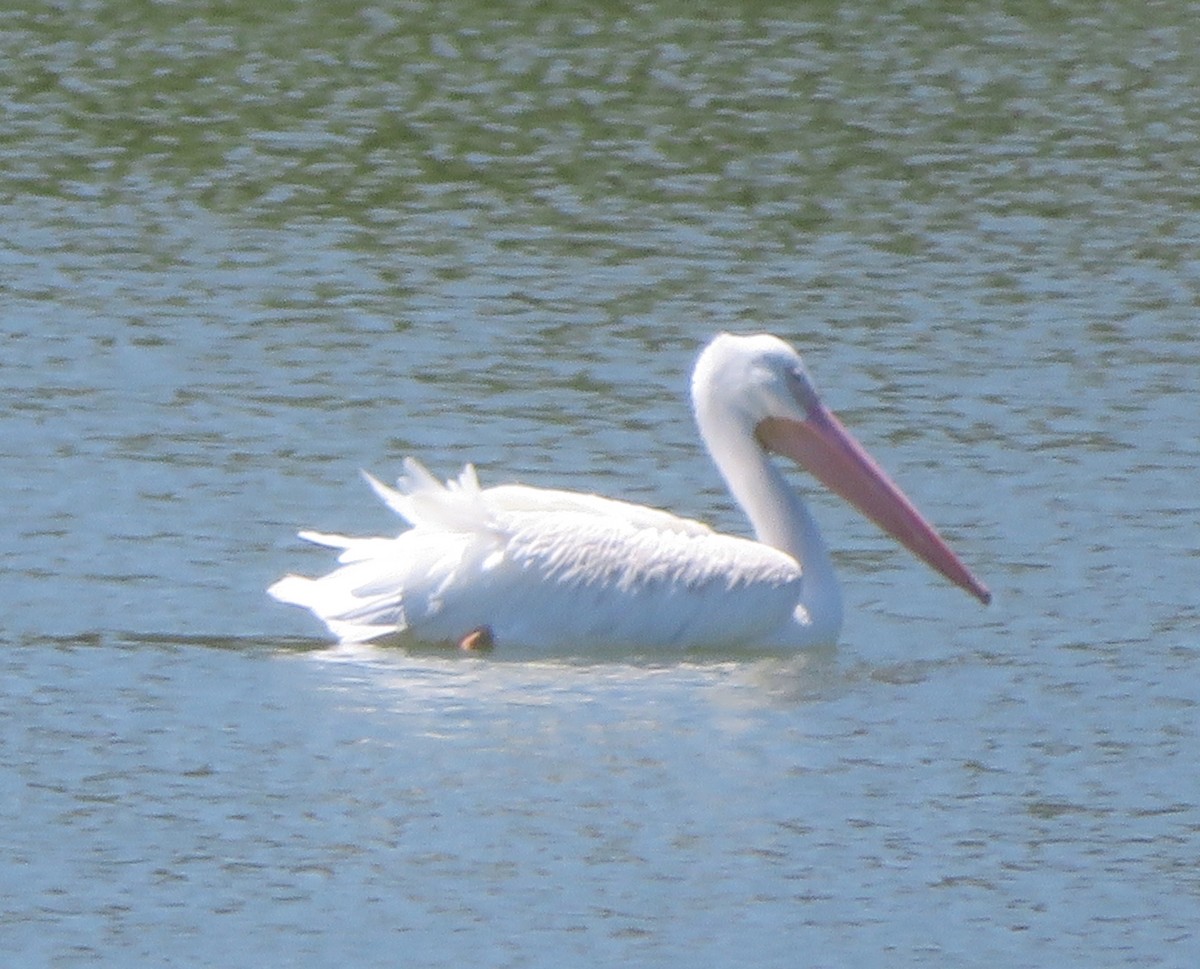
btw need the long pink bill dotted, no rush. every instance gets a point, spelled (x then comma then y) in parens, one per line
(831, 454)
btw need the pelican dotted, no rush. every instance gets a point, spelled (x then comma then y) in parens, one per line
(560, 571)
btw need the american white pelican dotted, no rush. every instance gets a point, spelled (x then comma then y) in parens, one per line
(562, 570)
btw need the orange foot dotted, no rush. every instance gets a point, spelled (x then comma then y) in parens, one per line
(478, 640)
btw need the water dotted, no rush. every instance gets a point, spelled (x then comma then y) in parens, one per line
(249, 253)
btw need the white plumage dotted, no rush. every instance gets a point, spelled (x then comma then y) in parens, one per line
(560, 570)
(543, 569)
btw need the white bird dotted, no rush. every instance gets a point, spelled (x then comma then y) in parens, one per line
(568, 571)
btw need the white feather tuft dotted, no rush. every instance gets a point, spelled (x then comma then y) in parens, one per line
(399, 503)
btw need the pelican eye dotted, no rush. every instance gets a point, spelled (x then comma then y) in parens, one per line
(802, 389)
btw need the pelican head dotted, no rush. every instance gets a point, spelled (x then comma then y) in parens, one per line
(753, 393)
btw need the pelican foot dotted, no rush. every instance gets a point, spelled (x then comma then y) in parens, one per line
(478, 640)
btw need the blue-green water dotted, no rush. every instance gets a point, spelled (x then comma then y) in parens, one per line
(247, 253)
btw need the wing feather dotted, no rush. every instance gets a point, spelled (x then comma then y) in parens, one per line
(542, 568)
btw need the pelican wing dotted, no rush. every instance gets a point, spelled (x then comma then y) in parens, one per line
(460, 502)
(546, 568)
(522, 499)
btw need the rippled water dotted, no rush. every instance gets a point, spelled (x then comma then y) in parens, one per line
(250, 251)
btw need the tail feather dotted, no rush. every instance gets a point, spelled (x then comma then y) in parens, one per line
(295, 590)
(352, 549)
(391, 585)
(401, 504)
(456, 506)
(341, 600)
(421, 499)
(417, 477)
(325, 539)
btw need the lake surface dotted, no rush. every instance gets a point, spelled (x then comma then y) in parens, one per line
(250, 251)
